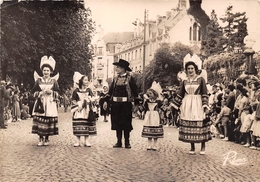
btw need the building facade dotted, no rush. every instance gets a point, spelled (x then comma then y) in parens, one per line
(104, 50)
(139, 47)
(176, 26)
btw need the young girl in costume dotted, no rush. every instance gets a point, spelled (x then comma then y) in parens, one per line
(152, 128)
(84, 121)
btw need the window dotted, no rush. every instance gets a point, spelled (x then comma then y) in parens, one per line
(195, 26)
(135, 54)
(190, 33)
(100, 52)
(99, 61)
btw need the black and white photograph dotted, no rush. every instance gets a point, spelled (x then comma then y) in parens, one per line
(129, 90)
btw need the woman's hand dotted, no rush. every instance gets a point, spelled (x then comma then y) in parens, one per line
(105, 106)
(48, 92)
(79, 108)
(206, 110)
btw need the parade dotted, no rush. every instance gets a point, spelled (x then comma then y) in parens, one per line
(183, 115)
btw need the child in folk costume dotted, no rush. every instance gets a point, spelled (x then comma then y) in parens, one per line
(152, 128)
(84, 121)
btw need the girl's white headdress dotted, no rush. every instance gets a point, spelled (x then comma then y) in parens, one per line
(50, 61)
(157, 87)
(76, 77)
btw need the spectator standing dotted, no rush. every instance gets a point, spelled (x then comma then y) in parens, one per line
(16, 106)
(3, 98)
(104, 108)
(223, 119)
(66, 102)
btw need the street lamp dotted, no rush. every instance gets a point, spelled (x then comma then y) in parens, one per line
(144, 43)
(249, 52)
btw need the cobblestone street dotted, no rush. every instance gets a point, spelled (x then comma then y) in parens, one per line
(22, 160)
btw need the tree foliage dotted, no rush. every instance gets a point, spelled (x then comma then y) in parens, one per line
(31, 30)
(167, 62)
(228, 61)
(235, 29)
(213, 41)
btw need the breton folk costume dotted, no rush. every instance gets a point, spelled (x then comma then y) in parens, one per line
(191, 100)
(84, 121)
(122, 92)
(153, 128)
(45, 113)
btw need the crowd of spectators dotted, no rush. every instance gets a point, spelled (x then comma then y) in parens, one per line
(234, 111)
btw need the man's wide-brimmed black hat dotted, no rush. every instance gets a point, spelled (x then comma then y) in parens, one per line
(123, 63)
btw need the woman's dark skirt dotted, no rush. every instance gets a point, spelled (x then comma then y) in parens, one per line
(194, 131)
(82, 127)
(45, 126)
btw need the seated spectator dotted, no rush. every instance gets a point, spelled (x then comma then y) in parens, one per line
(25, 112)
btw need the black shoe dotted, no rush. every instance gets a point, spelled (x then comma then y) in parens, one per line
(4, 127)
(117, 145)
(127, 146)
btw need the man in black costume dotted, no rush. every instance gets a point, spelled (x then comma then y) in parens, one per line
(121, 93)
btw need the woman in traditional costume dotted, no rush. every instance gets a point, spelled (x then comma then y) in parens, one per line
(192, 101)
(45, 113)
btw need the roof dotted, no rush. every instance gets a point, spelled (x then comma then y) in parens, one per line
(118, 37)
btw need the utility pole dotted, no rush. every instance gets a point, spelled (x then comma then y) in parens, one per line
(145, 12)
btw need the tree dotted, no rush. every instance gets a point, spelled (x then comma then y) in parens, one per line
(31, 30)
(213, 41)
(229, 61)
(167, 62)
(235, 29)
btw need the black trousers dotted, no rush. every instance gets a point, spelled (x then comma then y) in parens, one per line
(119, 134)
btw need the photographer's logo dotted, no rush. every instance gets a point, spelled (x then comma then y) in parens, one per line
(231, 158)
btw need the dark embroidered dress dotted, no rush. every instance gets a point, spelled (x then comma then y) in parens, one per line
(45, 119)
(84, 121)
(191, 99)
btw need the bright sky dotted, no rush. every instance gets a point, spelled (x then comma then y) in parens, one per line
(118, 15)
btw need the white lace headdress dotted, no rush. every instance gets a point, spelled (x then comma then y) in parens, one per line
(157, 87)
(50, 61)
